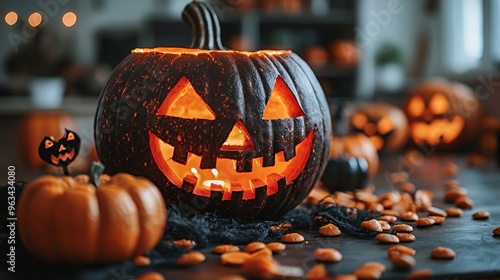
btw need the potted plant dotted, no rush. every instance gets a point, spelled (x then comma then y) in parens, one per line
(389, 68)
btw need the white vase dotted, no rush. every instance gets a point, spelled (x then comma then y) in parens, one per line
(47, 92)
(390, 77)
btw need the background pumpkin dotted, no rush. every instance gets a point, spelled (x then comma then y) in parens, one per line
(488, 142)
(384, 124)
(68, 220)
(352, 157)
(345, 53)
(34, 127)
(356, 145)
(442, 114)
(243, 134)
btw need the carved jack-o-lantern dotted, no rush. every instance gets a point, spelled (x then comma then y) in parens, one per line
(243, 134)
(384, 124)
(61, 152)
(442, 114)
(353, 158)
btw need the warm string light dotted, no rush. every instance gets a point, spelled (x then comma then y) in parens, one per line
(11, 18)
(35, 19)
(69, 19)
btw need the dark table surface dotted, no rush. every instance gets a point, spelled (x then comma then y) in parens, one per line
(477, 250)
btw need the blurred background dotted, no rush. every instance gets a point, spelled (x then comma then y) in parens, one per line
(56, 55)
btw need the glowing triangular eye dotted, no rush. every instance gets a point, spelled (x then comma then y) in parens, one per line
(385, 125)
(70, 136)
(282, 104)
(416, 106)
(359, 121)
(183, 102)
(439, 104)
(48, 144)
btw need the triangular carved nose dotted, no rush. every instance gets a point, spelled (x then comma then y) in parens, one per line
(238, 139)
(62, 148)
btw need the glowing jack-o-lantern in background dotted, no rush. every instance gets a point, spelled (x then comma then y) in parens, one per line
(384, 124)
(442, 114)
(243, 134)
(353, 158)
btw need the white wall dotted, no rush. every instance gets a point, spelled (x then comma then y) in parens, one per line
(386, 21)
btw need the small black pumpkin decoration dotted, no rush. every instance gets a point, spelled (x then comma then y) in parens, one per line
(345, 171)
(242, 134)
(60, 153)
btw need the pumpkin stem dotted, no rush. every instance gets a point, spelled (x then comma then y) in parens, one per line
(96, 171)
(339, 121)
(65, 170)
(205, 25)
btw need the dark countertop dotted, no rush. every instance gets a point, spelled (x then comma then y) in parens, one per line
(477, 250)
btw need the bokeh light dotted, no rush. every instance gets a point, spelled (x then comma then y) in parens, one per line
(69, 19)
(11, 18)
(35, 19)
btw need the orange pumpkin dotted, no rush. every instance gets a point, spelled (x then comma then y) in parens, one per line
(345, 53)
(34, 127)
(489, 136)
(442, 114)
(384, 124)
(69, 220)
(355, 145)
(241, 134)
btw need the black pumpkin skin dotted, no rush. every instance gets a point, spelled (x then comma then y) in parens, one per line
(345, 174)
(236, 87)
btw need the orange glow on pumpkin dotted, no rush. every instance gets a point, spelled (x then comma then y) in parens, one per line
(359, 121)
(438, 131)
(167, 50)
(385, 125)
(282, 104)
(432, 118)
(439, 104)
(184, 102)
(239, 139)
(416, 106)
(228, 179)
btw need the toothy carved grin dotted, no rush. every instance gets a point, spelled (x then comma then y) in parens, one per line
(224, 178)
(62, 157)
(437, 131)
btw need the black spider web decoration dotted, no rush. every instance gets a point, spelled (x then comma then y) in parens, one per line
(208, 229)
